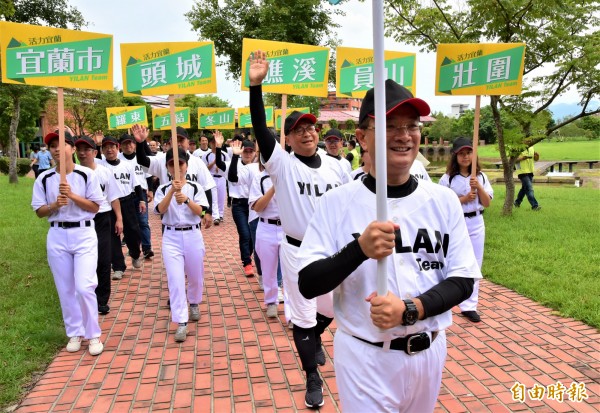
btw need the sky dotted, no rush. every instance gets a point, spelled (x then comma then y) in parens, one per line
(141, 21)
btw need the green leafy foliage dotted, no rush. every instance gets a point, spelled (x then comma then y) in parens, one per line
(23, 167)
(228, 23)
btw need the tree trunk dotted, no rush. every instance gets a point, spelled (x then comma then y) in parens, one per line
(507, 161)
(12, 135)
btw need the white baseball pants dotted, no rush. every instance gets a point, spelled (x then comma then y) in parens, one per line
(476, 228)
(268, 240)
(370, 379)
(183, 253)
(303, 312)
(221, 195)
(73, 257)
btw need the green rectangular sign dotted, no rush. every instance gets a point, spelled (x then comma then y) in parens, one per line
(216, 119)
(118, 121)
(182, 118)
(193, 65)
(362, 77)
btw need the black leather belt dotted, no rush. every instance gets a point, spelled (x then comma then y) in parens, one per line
(293, 241)
(181, 228)
(239, 201)
(125, 198)
(78, 224)
(474, 213)
(217, 176)
(271, 221)
(412, 344)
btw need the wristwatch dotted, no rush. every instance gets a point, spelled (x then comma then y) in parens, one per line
(411, 314)
(187, 201)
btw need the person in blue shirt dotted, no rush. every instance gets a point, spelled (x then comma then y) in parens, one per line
(43, 159)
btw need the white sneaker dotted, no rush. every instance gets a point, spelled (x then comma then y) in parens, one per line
(180, 334)
(137, 263)
(194, 313)
(117, 275)
(272, 310)
(74, 344)
(260, 284)
(280, 295)
(290, 325)
(96, 347)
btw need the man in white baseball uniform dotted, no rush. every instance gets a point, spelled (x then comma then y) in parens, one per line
(203, 149)
(239, 174)
(219, 193)
(127, 155)
(180, 204)
(300, 179)
(196, 168)
(269, 236)
(128, 189)
(333, 145)
(72, 245)
(104, 225)
(389, 350)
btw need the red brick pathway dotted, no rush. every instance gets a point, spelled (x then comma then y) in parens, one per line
(235, 359)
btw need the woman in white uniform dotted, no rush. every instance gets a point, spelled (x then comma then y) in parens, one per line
(180, 204)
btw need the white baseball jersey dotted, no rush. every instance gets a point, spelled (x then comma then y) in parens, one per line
(140, 171)
(200, 153)
(346, 163)
(461, 186)
(356, 174)
(108, 184)
(261, 183)
(124, 176)
(210, 157)
(83, 182)
(180, 215)
(431, 245)
(418, 170)
(196, 171)
(299, 187)
(246, 174)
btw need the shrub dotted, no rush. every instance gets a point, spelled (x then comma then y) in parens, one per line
(23, 167)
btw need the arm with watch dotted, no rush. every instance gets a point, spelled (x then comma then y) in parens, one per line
(377, 241)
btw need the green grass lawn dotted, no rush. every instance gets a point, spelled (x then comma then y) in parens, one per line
(31, 328)
(554, 151)
(551, 256)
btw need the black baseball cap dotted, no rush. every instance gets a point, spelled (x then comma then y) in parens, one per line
(294, 118)
(333, 133)
(182, 132)
(126, 137)
(85, 140)
(54, 135)
(183, 156)
(461, 143)
(110, 139)
(396, 95)
(238, 138)
(248, 144)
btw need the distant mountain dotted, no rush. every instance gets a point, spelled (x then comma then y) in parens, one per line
(562, 110)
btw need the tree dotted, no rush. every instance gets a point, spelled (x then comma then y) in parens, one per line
(56, 13)
(562, 53)
(294, 21)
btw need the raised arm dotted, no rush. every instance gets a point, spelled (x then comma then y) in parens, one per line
(259, 67)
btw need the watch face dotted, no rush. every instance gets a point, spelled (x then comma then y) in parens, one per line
(411, 316)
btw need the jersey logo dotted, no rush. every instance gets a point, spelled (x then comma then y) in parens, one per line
(103, 187)
(124, 178)
(306, 188)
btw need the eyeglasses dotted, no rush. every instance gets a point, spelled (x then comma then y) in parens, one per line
(393, 130)
(299, 130)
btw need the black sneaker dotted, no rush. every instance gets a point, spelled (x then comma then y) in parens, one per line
(536, 208)
(472, 316)
(517, 205)
(216, 221)
(103, 309)
(320, 356)
(314, 391)
(148, 254)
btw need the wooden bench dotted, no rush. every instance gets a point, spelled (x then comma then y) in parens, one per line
(571, 163)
